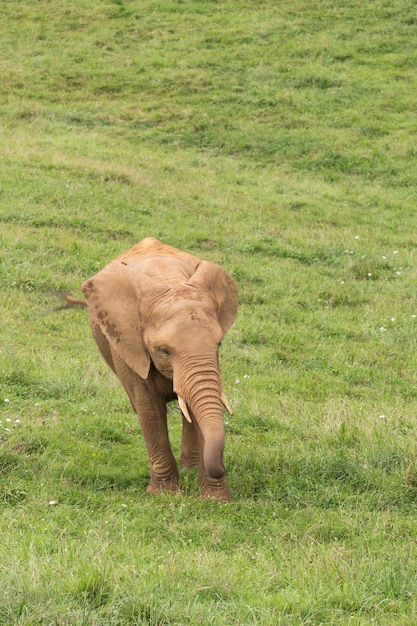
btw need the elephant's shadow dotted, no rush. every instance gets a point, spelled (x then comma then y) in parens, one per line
(248, 477)
(125, 467)
(105, 478)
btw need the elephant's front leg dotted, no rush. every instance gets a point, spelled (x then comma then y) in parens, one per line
(164, 471)
(149, 404)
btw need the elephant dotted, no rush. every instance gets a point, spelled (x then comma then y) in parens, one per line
(158, 316)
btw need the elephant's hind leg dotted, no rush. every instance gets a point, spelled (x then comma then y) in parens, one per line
(190, 448)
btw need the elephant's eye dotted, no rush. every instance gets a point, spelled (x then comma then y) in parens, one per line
(164, 351)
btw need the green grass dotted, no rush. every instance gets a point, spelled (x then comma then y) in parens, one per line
(278, 139)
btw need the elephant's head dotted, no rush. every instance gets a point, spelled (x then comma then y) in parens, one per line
(168, 310)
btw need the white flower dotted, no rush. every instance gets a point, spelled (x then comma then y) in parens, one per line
(237, 381)
(382, 329)
(6, 400)
(53, 502)
(381, 417)
(395, 252)
(369, 273)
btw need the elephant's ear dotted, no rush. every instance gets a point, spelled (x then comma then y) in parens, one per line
(212, 277)
(113, 305)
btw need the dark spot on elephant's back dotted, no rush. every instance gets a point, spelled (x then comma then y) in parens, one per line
(88, 287)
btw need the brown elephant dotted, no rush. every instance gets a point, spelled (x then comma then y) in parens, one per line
(158, 316)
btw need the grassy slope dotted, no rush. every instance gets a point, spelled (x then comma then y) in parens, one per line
(279, 140)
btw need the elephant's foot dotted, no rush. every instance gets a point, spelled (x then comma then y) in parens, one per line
(157, 486)
(212, 489)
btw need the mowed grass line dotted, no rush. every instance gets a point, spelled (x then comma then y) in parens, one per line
(279, 141)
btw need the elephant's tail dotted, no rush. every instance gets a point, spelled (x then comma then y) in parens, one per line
(71, 301)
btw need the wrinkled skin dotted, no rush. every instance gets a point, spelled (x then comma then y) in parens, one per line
(158, 316)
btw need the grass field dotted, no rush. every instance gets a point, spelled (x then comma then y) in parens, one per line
(279, 140)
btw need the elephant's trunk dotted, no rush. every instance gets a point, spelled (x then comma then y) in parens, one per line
(199, 385)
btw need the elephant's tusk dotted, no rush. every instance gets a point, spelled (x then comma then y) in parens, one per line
(226, 404)
(184, 409)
